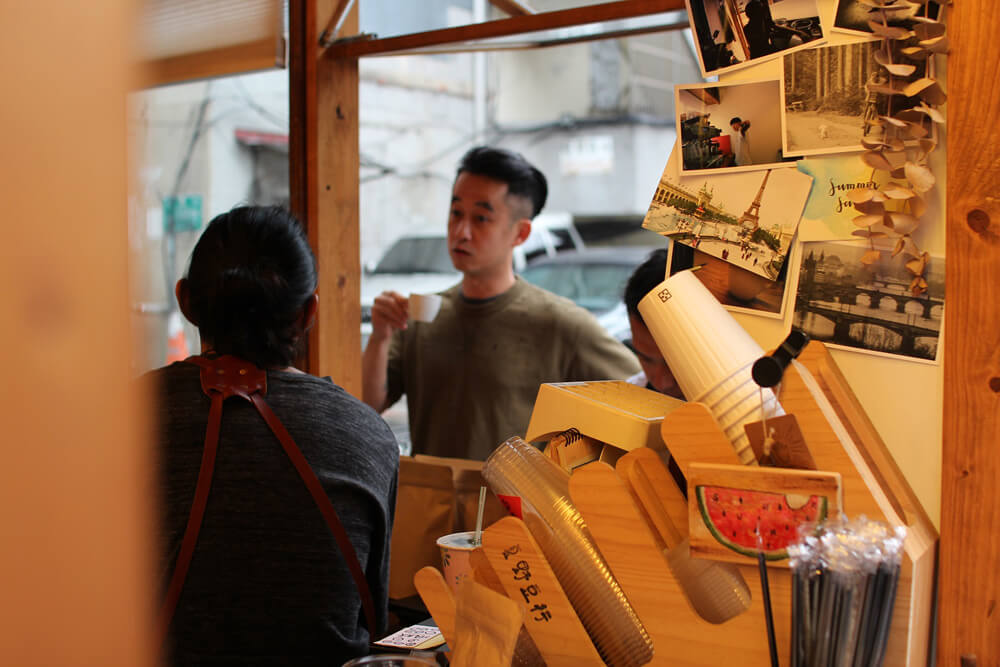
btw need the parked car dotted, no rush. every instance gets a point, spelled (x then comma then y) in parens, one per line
(419, 263)
(593, 278)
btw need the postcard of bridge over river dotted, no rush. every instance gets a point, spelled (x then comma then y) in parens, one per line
(747, 219)
(849, 305)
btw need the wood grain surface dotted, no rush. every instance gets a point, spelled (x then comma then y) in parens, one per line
(560, 637)
(524, 23)
(334, 215)
(970, 471)
(438, 599)
(78, 565)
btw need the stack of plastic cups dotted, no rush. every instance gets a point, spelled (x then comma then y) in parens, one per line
(516, 468)
(710, 355)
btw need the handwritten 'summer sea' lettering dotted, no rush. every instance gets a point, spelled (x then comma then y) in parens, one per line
(842, 187)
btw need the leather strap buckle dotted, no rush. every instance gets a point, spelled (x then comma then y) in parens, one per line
(230, 376)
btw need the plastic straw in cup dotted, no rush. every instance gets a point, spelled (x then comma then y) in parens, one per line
(478, 539)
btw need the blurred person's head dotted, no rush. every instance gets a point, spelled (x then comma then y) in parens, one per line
(644, 280)
(495, 196)
(251, 286)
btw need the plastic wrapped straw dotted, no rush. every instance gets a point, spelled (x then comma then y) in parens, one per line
(843, 591)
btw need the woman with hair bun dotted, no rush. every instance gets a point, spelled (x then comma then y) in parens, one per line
(255, 568)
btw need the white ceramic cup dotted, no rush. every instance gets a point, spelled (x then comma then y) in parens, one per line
(424, 307)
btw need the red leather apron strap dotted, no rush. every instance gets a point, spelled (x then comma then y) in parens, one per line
(323, 502)
(194, 519)
(221, 378)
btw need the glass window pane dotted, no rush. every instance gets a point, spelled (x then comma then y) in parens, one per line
(200, 149)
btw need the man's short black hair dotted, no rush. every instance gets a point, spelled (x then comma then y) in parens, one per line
(644, 279)
(736, 119)
(522, 178)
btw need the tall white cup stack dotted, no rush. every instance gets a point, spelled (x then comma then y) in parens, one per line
(710, 355)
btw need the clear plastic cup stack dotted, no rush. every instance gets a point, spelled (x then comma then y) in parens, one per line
(518, 469)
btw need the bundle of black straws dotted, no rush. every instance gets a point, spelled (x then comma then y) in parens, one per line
(844, 576)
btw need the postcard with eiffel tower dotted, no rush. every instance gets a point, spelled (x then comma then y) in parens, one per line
(748, 219)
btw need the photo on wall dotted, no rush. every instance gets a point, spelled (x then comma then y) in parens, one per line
(738, 290)
(730, 127)
(853, 15)
(746, 219)
(829, 98)
(868, 307)
(829, 213)
(731, 34)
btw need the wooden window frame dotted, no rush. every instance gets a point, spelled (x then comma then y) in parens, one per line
(325, 188)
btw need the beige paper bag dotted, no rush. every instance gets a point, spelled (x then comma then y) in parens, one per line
(425, 510)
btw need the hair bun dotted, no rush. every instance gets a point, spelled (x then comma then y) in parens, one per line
(250, 274)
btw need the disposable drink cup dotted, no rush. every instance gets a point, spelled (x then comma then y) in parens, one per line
(699, 339)
(726, 386)
(456, 554)
(710, 355)
(424, 307)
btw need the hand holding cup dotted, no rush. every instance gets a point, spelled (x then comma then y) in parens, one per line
(390, 311)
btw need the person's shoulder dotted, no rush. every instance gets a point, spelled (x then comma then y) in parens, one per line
(175, 369)
(167, 377)
(332, 404)
(533, 295)
(557, 308)
(322, 391)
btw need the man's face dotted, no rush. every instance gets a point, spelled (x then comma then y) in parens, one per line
(651, 360)
(735, 126)
(482, 226)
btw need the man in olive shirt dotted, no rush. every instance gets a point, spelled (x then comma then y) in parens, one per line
(471, 376)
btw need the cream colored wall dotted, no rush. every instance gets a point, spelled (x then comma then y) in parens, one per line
(902, 398)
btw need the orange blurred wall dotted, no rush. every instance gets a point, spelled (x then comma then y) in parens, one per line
(75, 551)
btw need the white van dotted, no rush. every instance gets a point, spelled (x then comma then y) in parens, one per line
(419, 262)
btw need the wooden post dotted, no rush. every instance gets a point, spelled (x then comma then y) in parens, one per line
(335, 346)
(324, 164)
(76, 489)
(970, 502)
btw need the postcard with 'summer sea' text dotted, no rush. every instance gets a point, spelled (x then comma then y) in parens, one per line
(829, 211)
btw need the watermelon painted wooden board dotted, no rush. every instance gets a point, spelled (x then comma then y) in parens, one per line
(728, 505)
(753, 522)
